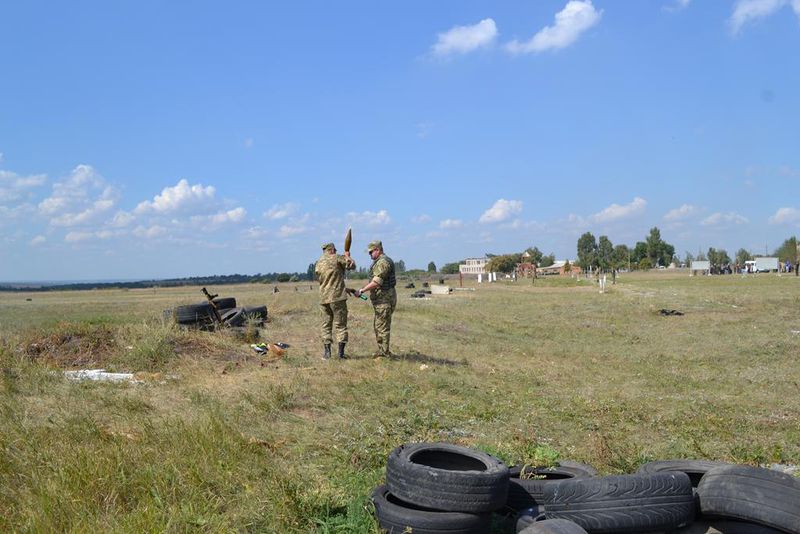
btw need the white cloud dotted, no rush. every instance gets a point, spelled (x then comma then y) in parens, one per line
(677, 5)
(615, 211)
(149, 233)
(80, 199)
(288, 230)
(78, 236)
(721, 219)
(181, 197)
(576, 17)
(231, 216)
(463, 39)
(501, 210)
(420, 219)
(281, 211)
(14, 187)
(248, 143)
(746, 11)
(451, 224)
(38, 240)
(424, 129)
(679, 214)
(785, 216)
(370, 218)
(122, 219)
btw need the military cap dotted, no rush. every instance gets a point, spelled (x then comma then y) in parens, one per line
(326, 246)
(374, 244)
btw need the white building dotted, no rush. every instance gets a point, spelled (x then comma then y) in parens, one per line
(473, 266)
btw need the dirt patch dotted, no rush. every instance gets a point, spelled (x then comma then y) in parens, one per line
(73, 347)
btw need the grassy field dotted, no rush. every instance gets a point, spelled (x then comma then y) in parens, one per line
(215, 438)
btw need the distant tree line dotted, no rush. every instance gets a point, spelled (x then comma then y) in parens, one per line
(214, 280)
(602, 254)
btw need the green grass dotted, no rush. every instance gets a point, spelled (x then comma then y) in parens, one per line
(217, 439)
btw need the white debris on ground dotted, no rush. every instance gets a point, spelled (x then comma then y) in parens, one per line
(100, 375)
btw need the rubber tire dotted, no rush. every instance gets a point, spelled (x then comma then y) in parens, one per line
(524, 493)
(224, 303)
(396, 517)
(447, 477)
(256, 312)
(725, 527)
(694, 468)
(553, 526)
(233, 317)
(568, 468)
(193, 313)
(752, 494)
(623, 503)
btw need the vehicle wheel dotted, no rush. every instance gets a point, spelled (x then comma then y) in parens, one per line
(694, 468)
(224, 303)
(443, 476)
(526, 493)
(233, 317)
(725, 527)
(397, 516)
(256, 312)
(193, 313)
(553, 526)
(752, 494)
(624, 503)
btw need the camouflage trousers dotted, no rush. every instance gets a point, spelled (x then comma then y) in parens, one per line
(334, 315)
(382, 323)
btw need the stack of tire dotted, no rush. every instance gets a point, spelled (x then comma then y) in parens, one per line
(202, 315)
(443, 488)
(438, 488)
(667, 496)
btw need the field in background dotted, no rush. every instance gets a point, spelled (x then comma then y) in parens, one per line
(217, 439)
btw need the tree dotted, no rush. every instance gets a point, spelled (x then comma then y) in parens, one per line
(547, 261)
(449, 268)
(688, 259)
(400, 266)
(587, 251)
(567, 267)
(310, 271)
(536, 255)
(787, 251)
(718, 258)
(621, 256)
(742, 255)
(284, 277)
(645, 264)
(431, 267)
(639, 252)
(605, 253)
(506, 263)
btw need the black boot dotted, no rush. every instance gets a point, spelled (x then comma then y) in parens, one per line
(341, 351)
(327, 354)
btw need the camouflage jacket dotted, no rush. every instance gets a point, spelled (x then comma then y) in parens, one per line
(330, 270)
(382, 272)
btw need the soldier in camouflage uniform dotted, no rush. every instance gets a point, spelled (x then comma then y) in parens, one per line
(383, 295)
(330, 270)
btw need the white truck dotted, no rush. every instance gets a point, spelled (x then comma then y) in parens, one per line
(765, 265)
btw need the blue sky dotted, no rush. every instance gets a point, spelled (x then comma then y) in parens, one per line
(155, 139)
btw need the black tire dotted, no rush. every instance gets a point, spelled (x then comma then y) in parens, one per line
(256, 312)
(563, 469)
(752, 494)
(624, 503)
(224, 303)
(553, 526)
(694, 468)
(233, 317)
(725, 527)
(447, 477)
(524, 493)
(396, 517)
(193, 313)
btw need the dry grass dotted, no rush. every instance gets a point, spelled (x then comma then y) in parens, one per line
(218, 439)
